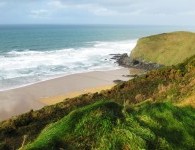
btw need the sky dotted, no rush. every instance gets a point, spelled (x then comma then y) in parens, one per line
(133, 12)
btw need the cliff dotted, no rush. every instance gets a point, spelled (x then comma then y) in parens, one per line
(165, 49)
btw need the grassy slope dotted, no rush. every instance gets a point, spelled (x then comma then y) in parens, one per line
(174, 84)
(167, 48)
(105, 125)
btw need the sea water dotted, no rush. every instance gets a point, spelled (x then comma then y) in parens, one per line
(33, 53)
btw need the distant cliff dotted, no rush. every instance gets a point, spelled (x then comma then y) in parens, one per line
(166, 49)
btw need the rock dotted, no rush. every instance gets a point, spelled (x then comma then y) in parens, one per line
(135, 62)
(118, 81)
(131, 75)
(125, 61)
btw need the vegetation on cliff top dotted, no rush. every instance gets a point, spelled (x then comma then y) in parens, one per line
(155, 110)
(107, 125)
(167, 48)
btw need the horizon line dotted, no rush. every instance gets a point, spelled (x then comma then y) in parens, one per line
(72, 24)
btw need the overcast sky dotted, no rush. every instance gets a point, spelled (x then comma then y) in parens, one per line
(138, 12)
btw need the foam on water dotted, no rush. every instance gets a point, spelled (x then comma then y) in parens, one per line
(19, 68)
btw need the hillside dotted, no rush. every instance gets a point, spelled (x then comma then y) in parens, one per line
(166, 49)
(107, 125)
(155, 109)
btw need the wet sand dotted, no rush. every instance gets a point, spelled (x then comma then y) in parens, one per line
(35, 96)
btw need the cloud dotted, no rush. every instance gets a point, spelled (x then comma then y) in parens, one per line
(101, 11)
(56, 4)
(150, 7)
(189, 13)
(93, 8)
(41, 13)
(98, 11)
(99, 7)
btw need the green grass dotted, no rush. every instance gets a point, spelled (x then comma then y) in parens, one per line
(167, 49)
(106, 126)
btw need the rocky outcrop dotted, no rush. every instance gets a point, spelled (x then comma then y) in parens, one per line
(125, 61)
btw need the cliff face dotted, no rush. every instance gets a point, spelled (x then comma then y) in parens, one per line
(166, 49)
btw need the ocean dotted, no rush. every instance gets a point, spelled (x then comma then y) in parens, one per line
(33, 53)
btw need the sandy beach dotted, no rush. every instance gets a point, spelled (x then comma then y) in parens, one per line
(35, 96)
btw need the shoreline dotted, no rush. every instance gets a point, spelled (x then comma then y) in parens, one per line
(86, 60)
(58, 76)
(20, 100)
